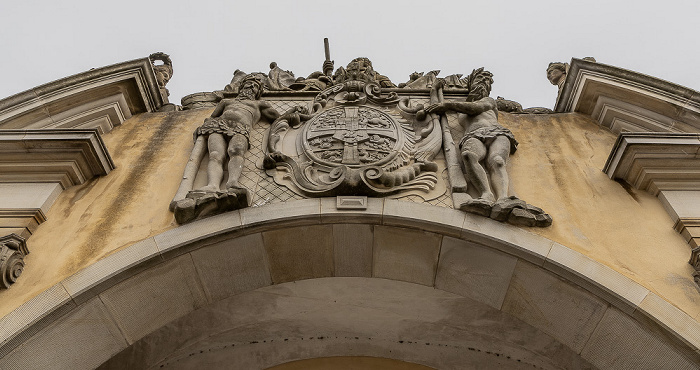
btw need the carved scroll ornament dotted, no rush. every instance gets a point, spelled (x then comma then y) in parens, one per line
(13, 248)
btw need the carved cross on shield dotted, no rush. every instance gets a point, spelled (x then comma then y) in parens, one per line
(351, 130)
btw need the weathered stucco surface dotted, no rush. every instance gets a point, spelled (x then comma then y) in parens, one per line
(108, 213)
(558, 166)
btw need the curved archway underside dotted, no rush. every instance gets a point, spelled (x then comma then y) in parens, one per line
(400, 280)
(347, 316)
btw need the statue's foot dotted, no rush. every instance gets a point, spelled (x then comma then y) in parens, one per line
(209, 189)
(234, 185)
(479, 206)
(504, 206)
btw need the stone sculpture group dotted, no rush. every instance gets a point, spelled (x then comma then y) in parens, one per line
(358, 137)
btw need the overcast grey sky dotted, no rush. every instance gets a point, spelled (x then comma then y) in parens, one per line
(41, 41)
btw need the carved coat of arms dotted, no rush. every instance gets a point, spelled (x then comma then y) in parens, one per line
(354, 142)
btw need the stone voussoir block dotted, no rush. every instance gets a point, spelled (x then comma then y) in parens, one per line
(507, 238)
(424, 216)
(112, 269)
(276, 215)
(169, 242)
(300, 252)
(405, 254)
(474, 271)
(33, 316)
(618, 289)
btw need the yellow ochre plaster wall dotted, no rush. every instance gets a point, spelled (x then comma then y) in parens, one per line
(558, 167)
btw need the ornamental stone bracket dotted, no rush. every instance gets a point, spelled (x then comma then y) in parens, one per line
(666, 165)
(13, 248)
(624, 100)
(99, 98)
(35, 166)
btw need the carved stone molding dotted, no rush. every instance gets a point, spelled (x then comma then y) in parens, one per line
(65, 156)
(689, 228)
(624, 100)
(13, 248)
(22, 222)
(663, 164)
(656, 161)
(99, 98)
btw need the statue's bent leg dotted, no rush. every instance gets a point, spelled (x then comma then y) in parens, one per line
(236, 150)
(496, 163)
(215, 169)
(473, 152)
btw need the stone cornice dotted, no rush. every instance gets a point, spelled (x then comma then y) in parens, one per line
(624, 100)
(656, 161)
(101, 97)
(67, 156)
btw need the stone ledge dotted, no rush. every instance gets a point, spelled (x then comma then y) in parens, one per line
(101, 97)
(67, 156)
(624, 100)
(654, 162)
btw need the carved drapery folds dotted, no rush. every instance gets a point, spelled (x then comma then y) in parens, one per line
(359, 135)
(13, 248)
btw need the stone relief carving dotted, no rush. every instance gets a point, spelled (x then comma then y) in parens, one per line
(485, 148)
(360, 69)
(695, 262)
(510, 106)
(13, 248)
(557, 71)
(225, 134)
(163, 72)
(355, 139)
(419, 80)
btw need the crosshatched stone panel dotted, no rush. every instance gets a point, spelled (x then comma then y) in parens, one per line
(153, 298)
(619, 342)
(405, 254)
(300, 253)
(552, 305)
(352, 250)
(474, 271)
(232, 266)
(263, 189)
(82, 340)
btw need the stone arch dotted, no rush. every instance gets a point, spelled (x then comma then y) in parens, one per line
(525, 281)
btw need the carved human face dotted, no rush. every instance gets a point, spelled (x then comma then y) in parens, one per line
(554, 75)
(480, 89)
(250, 89)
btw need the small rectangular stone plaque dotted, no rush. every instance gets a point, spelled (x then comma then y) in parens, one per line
(351, 202)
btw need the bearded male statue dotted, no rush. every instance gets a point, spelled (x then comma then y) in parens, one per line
(228, 132)
(225, 137)
(485, 148)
